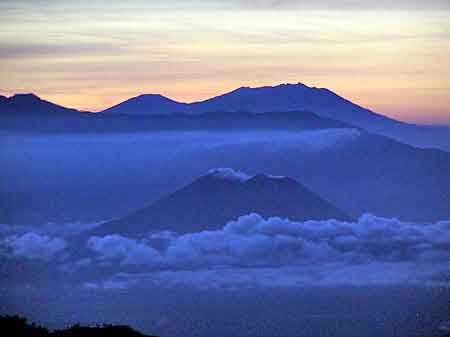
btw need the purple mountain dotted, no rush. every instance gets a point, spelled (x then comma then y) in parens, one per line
(31, 104)
(223, 195)
(148, 104)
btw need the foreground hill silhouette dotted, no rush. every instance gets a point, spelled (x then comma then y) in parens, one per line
(12, 326)
(221, 195)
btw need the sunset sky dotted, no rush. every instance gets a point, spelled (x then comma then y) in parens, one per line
(91, 54)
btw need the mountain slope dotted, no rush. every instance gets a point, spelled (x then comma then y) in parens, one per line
(147, 104)
(284, 97)
(356, 171)
(99, 123)
(31, 104)
(295, 97)
(220, 196)
(116, 173)
(287, 97)
(327, 104)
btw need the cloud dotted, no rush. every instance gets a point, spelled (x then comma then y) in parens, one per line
(319, 140)
(251, 251)
(48, 50)
(51, 229)
(310, 141)
(373, 249)
(235, 4)
(112, 284)
(228, 174)
(344, 5)
(126, 251)
(309, 275)
(34, 246)
(66, 229)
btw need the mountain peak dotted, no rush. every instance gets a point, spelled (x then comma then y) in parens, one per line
(147, 104)
(212, 200)
(244, 89)
(31, 104)
(25, 97)
(153, 96)
(278, 98)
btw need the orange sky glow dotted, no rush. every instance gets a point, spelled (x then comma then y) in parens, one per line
(93, 54)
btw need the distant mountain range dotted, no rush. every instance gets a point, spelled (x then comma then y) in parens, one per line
(281, 99)
(284, 97)
(212, 200)
(293, 97)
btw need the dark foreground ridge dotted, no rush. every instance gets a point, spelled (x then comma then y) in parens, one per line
(19, 326)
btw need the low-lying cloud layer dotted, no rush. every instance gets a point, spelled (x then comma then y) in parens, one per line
(383, 250)
(253, 251)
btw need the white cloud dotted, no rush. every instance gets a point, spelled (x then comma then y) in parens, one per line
(50, 228)
(228, 173)
(34, 246)
(316, 275)
(125, 250)
(370, 250)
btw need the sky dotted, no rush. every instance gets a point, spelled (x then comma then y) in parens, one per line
(392, 58)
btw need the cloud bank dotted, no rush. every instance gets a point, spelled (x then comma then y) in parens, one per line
(251, 251)
(370, 250)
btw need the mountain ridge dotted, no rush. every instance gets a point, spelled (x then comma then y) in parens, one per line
(323, 102)
(281, 98)
(29, 103)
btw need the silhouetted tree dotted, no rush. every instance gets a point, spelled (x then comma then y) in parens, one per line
(19, 326)
(12, 326)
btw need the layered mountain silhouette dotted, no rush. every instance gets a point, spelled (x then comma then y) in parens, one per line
(284, 97)
(294, 97)
(281, 99)
(43, 116)
(288, 97)
(223, 195)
